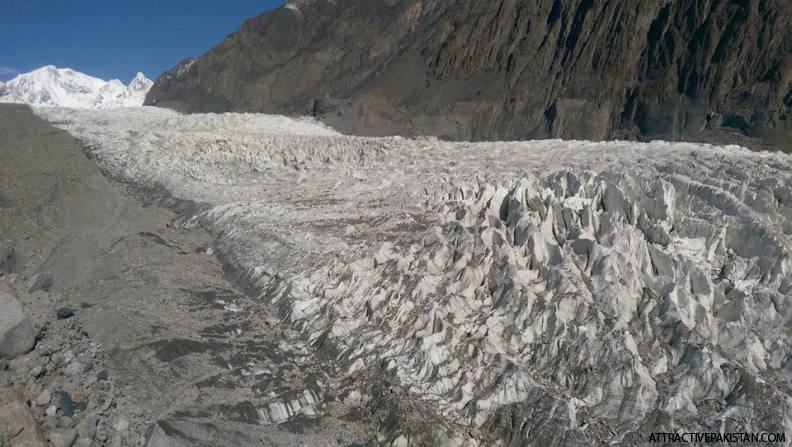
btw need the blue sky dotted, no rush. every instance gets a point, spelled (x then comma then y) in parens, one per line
(115, 38)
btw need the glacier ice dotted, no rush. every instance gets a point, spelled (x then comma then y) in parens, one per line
(559, 292)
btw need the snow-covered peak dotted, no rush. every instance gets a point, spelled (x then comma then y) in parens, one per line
(297, 5)
(141, 84)
(50, 86)
(133, 95)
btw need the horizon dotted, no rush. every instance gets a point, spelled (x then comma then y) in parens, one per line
(116, 40)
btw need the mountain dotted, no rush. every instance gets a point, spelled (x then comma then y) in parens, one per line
(62, 87)
(133, 95)
(507, 69)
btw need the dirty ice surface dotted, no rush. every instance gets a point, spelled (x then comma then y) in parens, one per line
(561, 292)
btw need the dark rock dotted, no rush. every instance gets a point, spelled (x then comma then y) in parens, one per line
(42, 281)
(66, 403)
(103, 375)
(469, 69)
(64, 313)
(81, 406)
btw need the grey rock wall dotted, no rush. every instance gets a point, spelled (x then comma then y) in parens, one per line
(508, 69)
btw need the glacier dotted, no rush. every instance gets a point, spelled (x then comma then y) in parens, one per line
(541, 292)
(50, 86)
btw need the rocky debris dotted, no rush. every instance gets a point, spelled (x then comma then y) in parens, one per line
(17, 336)
(155, 436)
(66, 422)
(71, 404)
(87, 427)
(44, 398)
(41, 281)
(17, 426)
(66, 404)
(63, 437)
(64, 313)
(84, 442)
(50, 420)
(8, 258)
(504, 70)
(38, 371)
(56, 206)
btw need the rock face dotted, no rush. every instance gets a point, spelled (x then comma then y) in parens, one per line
(16, 332)
(506, 69)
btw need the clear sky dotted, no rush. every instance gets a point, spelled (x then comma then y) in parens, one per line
(115, 38)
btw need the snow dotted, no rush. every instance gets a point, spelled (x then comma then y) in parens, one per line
(486, 277)
(184, 67)
(62, 87)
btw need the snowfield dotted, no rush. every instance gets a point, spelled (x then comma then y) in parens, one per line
(554, 292)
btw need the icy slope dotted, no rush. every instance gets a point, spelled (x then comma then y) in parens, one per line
(62, 87)
(557, 292)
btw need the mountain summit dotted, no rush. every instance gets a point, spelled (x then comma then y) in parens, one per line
(507, 69)
(63, 87)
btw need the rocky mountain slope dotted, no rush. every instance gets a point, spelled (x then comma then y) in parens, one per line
(63, 87)
(507, 69)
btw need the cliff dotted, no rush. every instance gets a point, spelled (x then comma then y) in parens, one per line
(711, 70)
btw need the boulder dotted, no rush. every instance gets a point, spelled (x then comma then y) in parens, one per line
(63, 437)
(16, 332)
(87, 427)
(42, 281)
(17, 426)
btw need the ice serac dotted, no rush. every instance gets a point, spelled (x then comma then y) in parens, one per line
(526, 293)
(712, 70)
(62, 87)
